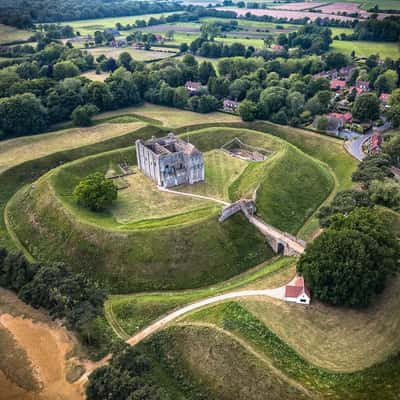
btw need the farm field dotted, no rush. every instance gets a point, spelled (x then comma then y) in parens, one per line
(366, 4)
(95, 77)
(138, 55)
(10, 34)
(365, 49)
(284, 13)
(297, 6)
(89, 26)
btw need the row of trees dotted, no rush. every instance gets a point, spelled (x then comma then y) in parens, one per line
(66, 295)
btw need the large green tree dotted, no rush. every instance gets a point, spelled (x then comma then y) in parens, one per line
(366, 107)
(349, 263)
(22, 114)
(95, 192)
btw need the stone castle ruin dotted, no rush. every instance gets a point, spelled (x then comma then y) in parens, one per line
(237, 148)
(170, 161)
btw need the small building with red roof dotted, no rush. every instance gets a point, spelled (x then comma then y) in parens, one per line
(384, 98)
(362, 86)
(297, 292)
(374, 143)
(346, 118)
(338, 84)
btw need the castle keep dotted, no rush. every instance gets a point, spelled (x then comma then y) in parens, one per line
(170, 161)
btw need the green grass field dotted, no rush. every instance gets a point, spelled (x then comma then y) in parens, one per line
(10, 34)
(89, 26)
(365, 49)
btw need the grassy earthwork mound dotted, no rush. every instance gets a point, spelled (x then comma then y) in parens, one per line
(150, 240)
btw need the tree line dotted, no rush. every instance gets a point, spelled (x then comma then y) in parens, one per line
(66, 295)
(24, 14)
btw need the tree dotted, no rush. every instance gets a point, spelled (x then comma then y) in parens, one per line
(82, 115)
(350, 262)
(272, 100)
(124, 60)
(386, 193)
(65, 69)
(392, 148)
(95, 192)
(183, 48)
(375, 167)
(207, 104)
(366, 107)
(100, 95)
(322, 123)
(28, 70)
(22, 114)
(248, 110)
(343, 203)
(206, 70)
(181, 97)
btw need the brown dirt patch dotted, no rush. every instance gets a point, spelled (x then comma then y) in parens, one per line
(38, 354)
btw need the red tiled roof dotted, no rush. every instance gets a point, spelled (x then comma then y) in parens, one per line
(338, 83)
(347, 117)
(297, 289)
(384, 97)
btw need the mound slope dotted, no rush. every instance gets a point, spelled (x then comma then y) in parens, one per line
(184, 249)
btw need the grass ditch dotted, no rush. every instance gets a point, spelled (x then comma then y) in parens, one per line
(379, 381)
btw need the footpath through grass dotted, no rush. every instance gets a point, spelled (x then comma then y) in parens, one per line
(130, 313)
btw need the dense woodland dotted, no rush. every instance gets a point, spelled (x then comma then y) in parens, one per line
(23, 14)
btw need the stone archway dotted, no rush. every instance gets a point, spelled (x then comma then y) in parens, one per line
(280, 249)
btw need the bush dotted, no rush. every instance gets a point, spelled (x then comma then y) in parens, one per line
(95, 192)
(82, 115)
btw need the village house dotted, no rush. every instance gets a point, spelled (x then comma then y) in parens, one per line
(277, 47)
(374, 143)
(119, 42)
(337, 122)
(331, 74)
(194, 87)
(297, 292)
(346, 72)
(338, 85)
(170, 161)
(384, 98)
(231, 106)
(362, 86)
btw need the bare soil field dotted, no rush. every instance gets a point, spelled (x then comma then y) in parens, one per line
(349, 8)
(240, 12)
(38, 353)
(95, 77)
(297, 6)
(16, 151)
(138, 55)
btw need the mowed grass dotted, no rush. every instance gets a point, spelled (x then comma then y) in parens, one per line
(171, 117)
(150, 254)
(130, 313)
(380, 381)
(143, 201)
(19, 150)
(203, 363)
(365, 49)
(221, 170)
(138, 55)
(10, 34)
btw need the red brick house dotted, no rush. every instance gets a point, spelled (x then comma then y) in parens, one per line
(338, 84)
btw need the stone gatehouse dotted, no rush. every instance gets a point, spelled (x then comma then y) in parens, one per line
(170, 161)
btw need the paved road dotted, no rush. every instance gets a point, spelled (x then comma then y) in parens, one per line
(355, 147)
